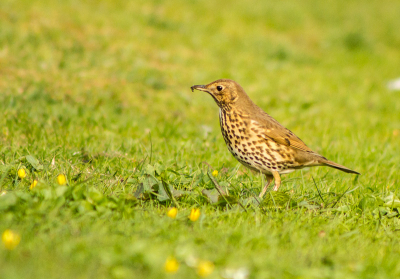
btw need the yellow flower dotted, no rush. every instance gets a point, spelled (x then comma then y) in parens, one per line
(33, 185)
(172, 213)
(61, 179)
(21, 173)
(215, 173)
(10, 239)
(194, 214)
(205, 268)
(171, 265)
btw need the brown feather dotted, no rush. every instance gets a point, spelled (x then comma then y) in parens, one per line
(273, 130)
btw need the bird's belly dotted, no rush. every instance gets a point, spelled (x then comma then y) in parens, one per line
(249, 149)
(262, 165)
(286, 171)
(257, 161)
(260, 157)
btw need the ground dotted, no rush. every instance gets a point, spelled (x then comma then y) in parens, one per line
(99, 91)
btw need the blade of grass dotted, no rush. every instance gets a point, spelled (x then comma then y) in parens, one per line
(170, 195)
(319, 193)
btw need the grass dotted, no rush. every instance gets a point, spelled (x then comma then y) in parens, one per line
(100, 91)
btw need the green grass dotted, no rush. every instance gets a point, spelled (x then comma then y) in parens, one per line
(100, 91)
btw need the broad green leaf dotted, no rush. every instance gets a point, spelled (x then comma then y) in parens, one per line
(84, 206)
(391, 201)
(275, 199)
(306, 204)
(392, 214)
(139, 191)
(159, 168)
(163, 194)
(148, 184)
(34, 162)
(149, 169)
(226, 200)
(212, 195)
(343, 208)
(131, 180)
(94, 195)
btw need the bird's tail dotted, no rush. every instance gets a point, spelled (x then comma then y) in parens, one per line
(337, 166)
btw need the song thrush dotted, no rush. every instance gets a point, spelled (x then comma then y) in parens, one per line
(256, 139)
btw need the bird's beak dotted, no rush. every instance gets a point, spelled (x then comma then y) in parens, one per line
(199, 87)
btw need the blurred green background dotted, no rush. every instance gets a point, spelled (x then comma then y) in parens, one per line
(99, 89)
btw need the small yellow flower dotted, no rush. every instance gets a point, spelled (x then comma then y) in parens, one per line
(172, 213)
(215, 173)
(171, 265)
(61, 179)
(33, 185)
(194, 214)
(205, 268)
(21, 173)
(396, 132)
(10, 239)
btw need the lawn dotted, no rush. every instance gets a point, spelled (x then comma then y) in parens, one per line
(99, 93)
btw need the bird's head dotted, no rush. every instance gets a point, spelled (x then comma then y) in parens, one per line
(225, 92)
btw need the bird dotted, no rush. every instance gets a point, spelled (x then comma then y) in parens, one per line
(257, 140)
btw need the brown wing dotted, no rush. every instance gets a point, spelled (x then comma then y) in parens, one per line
(272, 129)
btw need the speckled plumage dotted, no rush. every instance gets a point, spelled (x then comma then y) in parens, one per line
(256, 139)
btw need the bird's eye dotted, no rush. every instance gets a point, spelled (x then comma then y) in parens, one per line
(219, 87)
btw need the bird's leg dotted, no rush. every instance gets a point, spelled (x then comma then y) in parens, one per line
(277, 180)
(269, 179)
